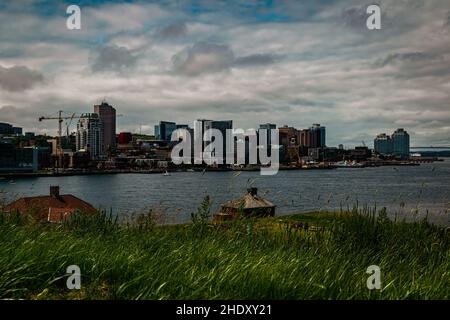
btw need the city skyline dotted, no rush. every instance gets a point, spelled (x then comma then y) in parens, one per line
(167, 137)
(279, 62)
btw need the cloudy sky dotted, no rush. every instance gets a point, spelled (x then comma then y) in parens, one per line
(285, 62)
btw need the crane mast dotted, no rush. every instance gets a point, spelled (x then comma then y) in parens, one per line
(60, 118)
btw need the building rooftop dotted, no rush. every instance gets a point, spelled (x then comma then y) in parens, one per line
(249, 201)
(53, 208)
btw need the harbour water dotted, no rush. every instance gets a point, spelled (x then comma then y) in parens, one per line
(410, 192)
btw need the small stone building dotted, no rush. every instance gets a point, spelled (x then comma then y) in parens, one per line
(249, 205)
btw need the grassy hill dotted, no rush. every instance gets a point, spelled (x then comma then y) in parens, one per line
(308, 256)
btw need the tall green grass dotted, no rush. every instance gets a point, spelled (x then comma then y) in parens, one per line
(246, 259)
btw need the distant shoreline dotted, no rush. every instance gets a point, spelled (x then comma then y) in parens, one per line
(67, 173)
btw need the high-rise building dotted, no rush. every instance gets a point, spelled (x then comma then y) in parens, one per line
(397, 144)
(163, 131)
(268, 127)
(383, 144)
(200, 127)
(107, 115)
(288, 136)
(223, 126)
(305, 138)
(400, 143)
(90, 135)
(317, 133)
(288, 140)
(6, 128)
(203, 125)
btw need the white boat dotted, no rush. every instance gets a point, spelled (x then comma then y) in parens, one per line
(348, 164)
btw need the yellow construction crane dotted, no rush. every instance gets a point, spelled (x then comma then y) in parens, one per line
(60, 118)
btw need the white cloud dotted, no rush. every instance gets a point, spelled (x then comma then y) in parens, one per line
(304, 70)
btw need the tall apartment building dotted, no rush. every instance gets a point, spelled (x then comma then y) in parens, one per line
(223, 126)
(400, 143)
(90, 135)
(203, 125)
(268, 127)
(305, 138)
(107, 115)
(317, 136)
(200, 127)
(163, 130)
(383, 144)
(397, 144)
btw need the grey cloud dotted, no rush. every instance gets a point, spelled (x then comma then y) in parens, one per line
(205, 57)
(112, 58)
(20, 117)
(416, 65)
(311, 103)
(254, 60)
(396, 58)
(229, 105)
(172, 31)
(355, 17)
(19, 78)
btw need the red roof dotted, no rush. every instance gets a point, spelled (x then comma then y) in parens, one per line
(51, 208)
(59, 214)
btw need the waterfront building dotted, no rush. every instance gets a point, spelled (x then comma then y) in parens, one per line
(107, 115)
(288, 136)
(203, 125)
(6, 128)
(268, 127)
(289, 140)
(383, 144)
(200, 127)
(317, 136)
(16, 159)
(397, 144)
(400, 143)
(223, 126)
(163, 131)
(90, 135)
(361, 153)
(305, 138)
